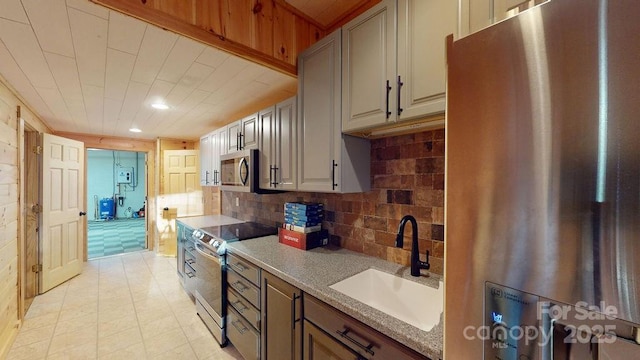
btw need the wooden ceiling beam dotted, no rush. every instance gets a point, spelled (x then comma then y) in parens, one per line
(267, 32)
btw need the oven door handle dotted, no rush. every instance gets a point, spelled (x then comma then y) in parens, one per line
(201, 251)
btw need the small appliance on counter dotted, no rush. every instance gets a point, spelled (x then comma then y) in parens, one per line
(210, 263)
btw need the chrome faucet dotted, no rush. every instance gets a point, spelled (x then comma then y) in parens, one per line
(416, 264)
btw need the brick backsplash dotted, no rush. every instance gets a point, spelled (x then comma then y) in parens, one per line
(407, 177)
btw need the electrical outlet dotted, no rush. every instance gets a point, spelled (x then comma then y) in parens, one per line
(237, 201)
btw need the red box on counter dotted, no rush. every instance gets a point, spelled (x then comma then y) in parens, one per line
(303, 241)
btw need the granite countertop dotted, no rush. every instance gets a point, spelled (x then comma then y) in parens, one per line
(196, 222)
(313, 271)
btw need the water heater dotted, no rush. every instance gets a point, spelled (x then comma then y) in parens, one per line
(125, 175)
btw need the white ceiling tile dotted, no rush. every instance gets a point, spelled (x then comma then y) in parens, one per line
(241, 80)
(223, 74)
(125, 32)
(155, 48)
(65, 73)
(55, 102)
(12, 73)
(94, 105)
(119, 69)
(51, 25)
(158, 92)
(184, 53)
(136, 94)
(90, 42)
(12, 10)
(177, 112)
(212, 57)
(89, 8)
(23, 46)
(77, 111)
(111, 112)
(189, 82)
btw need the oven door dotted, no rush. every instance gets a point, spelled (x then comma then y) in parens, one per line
(210, 291)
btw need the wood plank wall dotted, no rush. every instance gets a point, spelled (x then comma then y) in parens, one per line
(268, 32)
(10, 213)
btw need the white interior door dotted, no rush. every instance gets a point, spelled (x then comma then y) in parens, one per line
(62, 231)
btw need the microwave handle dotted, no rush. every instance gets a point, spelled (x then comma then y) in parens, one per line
(243, 164)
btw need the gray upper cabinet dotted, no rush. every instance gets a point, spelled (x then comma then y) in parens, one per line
(476, 15)
(205, 160)
(423, 26)
(328, 161)
(394, 62)
(277, 128)
(243, 134)
(369, 67)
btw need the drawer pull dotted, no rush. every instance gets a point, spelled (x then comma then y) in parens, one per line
(190, 275)
(239, 286)
(240, 330)
(345, 334)
(190, 261)
(240, 267)
(237, 305)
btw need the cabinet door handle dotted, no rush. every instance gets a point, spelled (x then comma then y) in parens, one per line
(400, 83)
(345, 334)
(206, 177)
(294, 298)
(275, 176)
(215, 177)
(333, 175)
(237, 141)
(240, 141)
(388, 91)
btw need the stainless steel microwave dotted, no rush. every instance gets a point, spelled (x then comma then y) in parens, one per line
(239, 171)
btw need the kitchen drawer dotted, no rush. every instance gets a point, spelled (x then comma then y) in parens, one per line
(366, 341)
(243, 287)
(244, 268)
(244, 308)
(242, 335)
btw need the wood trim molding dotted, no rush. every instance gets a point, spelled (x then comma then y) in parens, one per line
(207, 36)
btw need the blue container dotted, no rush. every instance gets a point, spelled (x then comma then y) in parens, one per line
(107, 209)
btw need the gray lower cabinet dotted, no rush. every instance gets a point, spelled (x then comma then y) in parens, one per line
(318, 345)
(243, 306)
(281, 319)
(365, 342)
(270, 319)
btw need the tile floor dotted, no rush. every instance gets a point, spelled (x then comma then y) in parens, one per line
(113, 237)
(130, 306)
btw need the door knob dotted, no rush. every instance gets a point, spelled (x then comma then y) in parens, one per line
(82, 213)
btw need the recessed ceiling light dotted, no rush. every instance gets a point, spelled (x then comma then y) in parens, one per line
(136, 130)
(160, 106)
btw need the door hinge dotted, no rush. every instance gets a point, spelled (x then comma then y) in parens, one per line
(37, 149)
(36, 208)
(36, 268)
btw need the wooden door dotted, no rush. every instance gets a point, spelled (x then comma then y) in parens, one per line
(31, 211)
(319, 110)
(318, 345)
(62, 232)
(285, 144)
(368, 64)
(181, 182)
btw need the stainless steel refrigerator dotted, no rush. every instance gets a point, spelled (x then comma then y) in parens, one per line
(543, 185)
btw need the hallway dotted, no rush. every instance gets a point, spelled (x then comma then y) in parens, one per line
(123, 307)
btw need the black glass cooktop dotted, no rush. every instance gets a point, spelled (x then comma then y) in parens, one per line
(240, 231)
